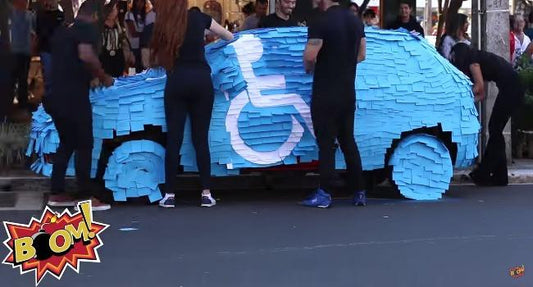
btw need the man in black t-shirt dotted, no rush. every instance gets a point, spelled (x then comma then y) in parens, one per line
(483, 66)
(336, 43)
(48, 19)
(406, 20)
(75, 65)
(282, 17)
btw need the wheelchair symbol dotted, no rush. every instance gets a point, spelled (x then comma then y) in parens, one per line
(249, 50)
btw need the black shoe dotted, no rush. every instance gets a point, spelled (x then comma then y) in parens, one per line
(480, 179)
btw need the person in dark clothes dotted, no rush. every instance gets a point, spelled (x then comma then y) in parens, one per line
(336, 43)
(252, 21)
(22, 33)
(282, 17)
(75, 65)
(5, 59)
(406, 20)
(112, 54)
(483, 66)
(48, 19)
(178, 46)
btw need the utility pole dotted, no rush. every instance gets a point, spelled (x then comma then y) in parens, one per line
(490, 26)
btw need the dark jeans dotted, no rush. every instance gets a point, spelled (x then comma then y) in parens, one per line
(138, 60)
(335, 121)
(5, 90)
(46, 62)
(510, 96)
(19, 76)
(75, 135)
(189, 90)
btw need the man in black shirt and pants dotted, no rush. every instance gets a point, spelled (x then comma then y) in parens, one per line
(406, 20)
(282, 17)
(483, 66)
(336, 43)
(75, 65)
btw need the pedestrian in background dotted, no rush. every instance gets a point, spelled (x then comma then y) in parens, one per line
(406, 20)
(260, 11)
(112, 53)
(282, 17)
(456, 33)
(521, 39)
(178, 46)
(48, 19)
(370, 18)
(336, 43)
(75, 65)
(135, 22)
(22, 34)
(483, 66)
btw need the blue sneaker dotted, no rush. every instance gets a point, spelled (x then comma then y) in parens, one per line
(320, 199)
(168, 201)
(359, 198)
(208, 201)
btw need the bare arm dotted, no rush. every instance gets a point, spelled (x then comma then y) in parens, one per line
(361, 56)
(220, 31)
(479, 85)
(311, 53)
(88, 56)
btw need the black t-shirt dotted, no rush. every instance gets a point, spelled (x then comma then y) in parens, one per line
(192, 51)
(412, 25)
(273, 21)
(335, 69)
(70, 76)
(493, 67)
(47, 22)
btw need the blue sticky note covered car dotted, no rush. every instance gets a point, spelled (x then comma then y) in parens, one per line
(415, 113)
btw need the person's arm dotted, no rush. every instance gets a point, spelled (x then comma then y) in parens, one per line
(479, 84)
(89, 57)
(311, 53)
(220, 31)
(361, 56)
(447, 45)
(130, 25)
(529, 49)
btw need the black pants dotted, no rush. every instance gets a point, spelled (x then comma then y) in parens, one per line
(113, 65)
(138, 60)
(189, 90)
(335, 121)
(5, 90)
(494, 162)
(19, 76)
(75, 135)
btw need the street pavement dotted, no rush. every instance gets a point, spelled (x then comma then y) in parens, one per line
(263, 238)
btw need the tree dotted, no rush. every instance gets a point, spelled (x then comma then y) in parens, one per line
(446, 14)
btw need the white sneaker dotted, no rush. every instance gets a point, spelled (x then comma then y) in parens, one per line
(168, 201)
(208, 201)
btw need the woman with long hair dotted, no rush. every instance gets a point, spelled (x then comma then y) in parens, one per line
(457, 32)
(135, 21)
(178, 46)
(111, 54)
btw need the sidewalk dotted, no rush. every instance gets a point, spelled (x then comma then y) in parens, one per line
(520, 172)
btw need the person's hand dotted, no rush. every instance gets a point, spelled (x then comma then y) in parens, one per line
(479, 92)
(108, 81)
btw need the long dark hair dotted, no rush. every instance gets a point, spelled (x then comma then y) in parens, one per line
(456, 23)
(136, 13)
(169, 32)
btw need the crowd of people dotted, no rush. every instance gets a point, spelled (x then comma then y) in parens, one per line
(106, 41)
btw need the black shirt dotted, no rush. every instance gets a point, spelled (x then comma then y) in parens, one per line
(192, 51)
(47, 22)
(493, 67)
(412, 25)
(273, 21)
(335, 69)
(70, 76)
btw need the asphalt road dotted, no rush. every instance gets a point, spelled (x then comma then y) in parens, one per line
(470, 238)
